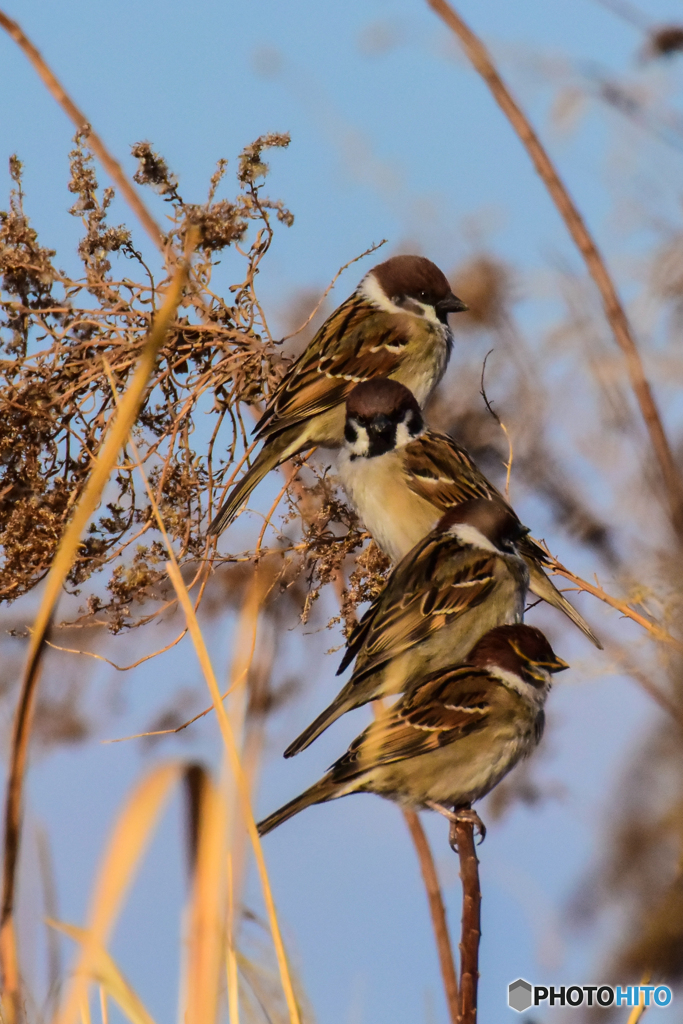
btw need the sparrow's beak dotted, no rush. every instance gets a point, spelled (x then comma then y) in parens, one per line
(451, 304)
(558, 665)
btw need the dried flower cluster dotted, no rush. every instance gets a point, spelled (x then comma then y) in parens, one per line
(69, 343)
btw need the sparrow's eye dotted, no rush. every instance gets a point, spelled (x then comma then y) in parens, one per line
(423, 296)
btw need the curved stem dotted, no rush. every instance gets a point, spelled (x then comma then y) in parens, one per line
(437, 911)
(614, 310)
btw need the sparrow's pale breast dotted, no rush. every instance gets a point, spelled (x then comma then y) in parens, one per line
(396, 517)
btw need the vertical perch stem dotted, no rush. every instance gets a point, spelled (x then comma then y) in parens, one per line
(471, 921)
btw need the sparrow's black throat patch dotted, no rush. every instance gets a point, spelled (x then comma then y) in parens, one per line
(380, 433)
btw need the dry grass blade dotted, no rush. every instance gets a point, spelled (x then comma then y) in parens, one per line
(242, 785)
(112, 166)
(103, 465)
(231, 950)
(126, 847)
(638, 1012)
(103, 969)
(614, 310)
(206, 921)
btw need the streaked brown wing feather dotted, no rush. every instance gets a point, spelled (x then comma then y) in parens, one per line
(442, 711)
(442, 472)
(357, 342)
(432, 586)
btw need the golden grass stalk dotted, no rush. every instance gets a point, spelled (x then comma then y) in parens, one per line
(639, 1011)
(102, 968)
(246, 739)
(103, 465)
(246, 631)
(242, 785)
(231, 951)
(125, 849)
(111, 166)
(104, 1010)
(206, 917)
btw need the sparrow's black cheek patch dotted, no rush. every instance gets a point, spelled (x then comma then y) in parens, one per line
(350, 433)
(412, 306)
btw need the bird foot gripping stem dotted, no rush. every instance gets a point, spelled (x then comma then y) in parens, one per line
(457, 815)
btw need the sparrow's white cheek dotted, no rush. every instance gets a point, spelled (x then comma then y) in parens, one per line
(403, 435)
(371, 289)
(534, 695)
(468, 534)
(361, 446)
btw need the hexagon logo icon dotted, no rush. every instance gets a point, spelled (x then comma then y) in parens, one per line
(519, 995)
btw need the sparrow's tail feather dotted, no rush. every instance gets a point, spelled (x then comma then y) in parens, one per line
(543, 587)
(335, 710)
(268, 458)
(323, 790)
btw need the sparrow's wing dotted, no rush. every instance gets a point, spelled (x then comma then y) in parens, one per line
(449, 706)
(442, 472)
(434, 581)
(356, 343)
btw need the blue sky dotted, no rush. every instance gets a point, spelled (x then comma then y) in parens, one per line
(392, 136)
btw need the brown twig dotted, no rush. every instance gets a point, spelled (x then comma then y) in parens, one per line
(111, 166)
(492, 411)
(437, 911)
(614, 310)
(471, 921)
(373, 248)
(657, 631)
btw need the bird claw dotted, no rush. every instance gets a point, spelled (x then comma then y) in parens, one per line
(460, 814)
(470, 816)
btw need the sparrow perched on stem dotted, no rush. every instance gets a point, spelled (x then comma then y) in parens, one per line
(394, 325)
(401, 478)
(457, 583)
(453, 738)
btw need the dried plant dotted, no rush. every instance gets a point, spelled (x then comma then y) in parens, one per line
(70, 344)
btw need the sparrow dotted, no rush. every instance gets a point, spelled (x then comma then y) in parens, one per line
(401, 478)
(450, 740)
(465, 577)
(394, 325)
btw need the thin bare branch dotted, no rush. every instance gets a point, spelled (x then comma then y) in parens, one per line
(368, 252)
(657, 631)
(508, 464)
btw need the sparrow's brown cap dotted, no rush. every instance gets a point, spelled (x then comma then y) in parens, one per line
(380, 396)
(420, 279)
(514, 648)
(496, 522)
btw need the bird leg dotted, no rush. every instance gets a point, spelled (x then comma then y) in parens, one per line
(459, 814)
